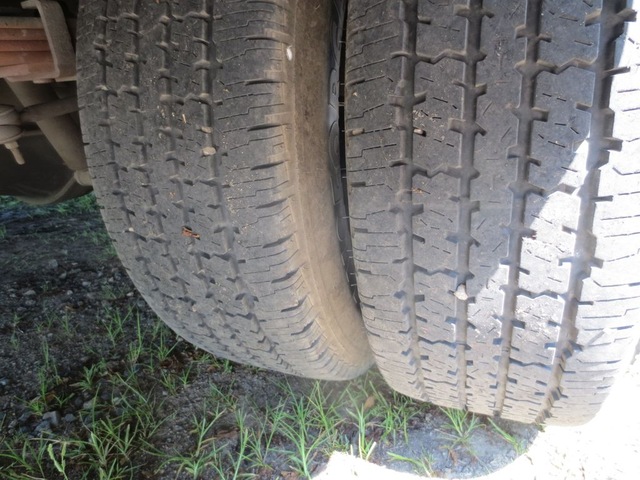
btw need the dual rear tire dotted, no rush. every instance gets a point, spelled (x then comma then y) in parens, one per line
(207, 132)
(495, 201)
(492, 198)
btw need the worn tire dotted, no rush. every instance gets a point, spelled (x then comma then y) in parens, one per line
(206, 124)
(495, 205)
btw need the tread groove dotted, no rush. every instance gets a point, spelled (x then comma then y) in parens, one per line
(468, 129)
(403, 104)
(611, 18)
(521, 153)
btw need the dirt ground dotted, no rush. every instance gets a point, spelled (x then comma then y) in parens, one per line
(608, 447)
(60, 279)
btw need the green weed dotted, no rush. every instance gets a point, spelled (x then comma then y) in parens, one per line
(395, 413)
(205, 453)
(225, 398)
(461, 425)
(121, 417)
(517, 444)
(362, 412)
(8, 202)
(169, 381)
(306, 441)
(242, 453)
(136, 347)
(114, 321)
(60, 464)
(260, 438)
(84, 204)
(24, 458)
(422, 466)
(90, 376)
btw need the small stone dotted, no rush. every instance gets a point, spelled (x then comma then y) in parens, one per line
(86, 284)
(461, 293)
(4, 382)
(88, 405)
(52, 264)
(207, 151)
(62, 276)
(52, 417)
(29, 293)
(69, 293)
(43, 427)
(69, 417)
(87, 420)
(29, 303)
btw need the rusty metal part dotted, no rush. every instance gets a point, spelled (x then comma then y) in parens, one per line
(55, 26)
(10, 131)
(71, 189)
(44, 111)
(37, 49)
(24, 32)
(20, 62)
(12, 122)
(62, 131)
(22, 23)
(34, 51)
(24, 46)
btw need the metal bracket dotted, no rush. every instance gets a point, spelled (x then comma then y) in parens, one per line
(11, 131)
(12, 125)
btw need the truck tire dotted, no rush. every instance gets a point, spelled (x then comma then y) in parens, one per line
(206, 130)
(495, 204)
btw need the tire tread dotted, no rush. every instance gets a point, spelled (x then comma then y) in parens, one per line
(473, 155)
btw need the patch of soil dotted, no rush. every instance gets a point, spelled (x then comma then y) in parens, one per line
(58, 276)
(67, 307)
(51, 272)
